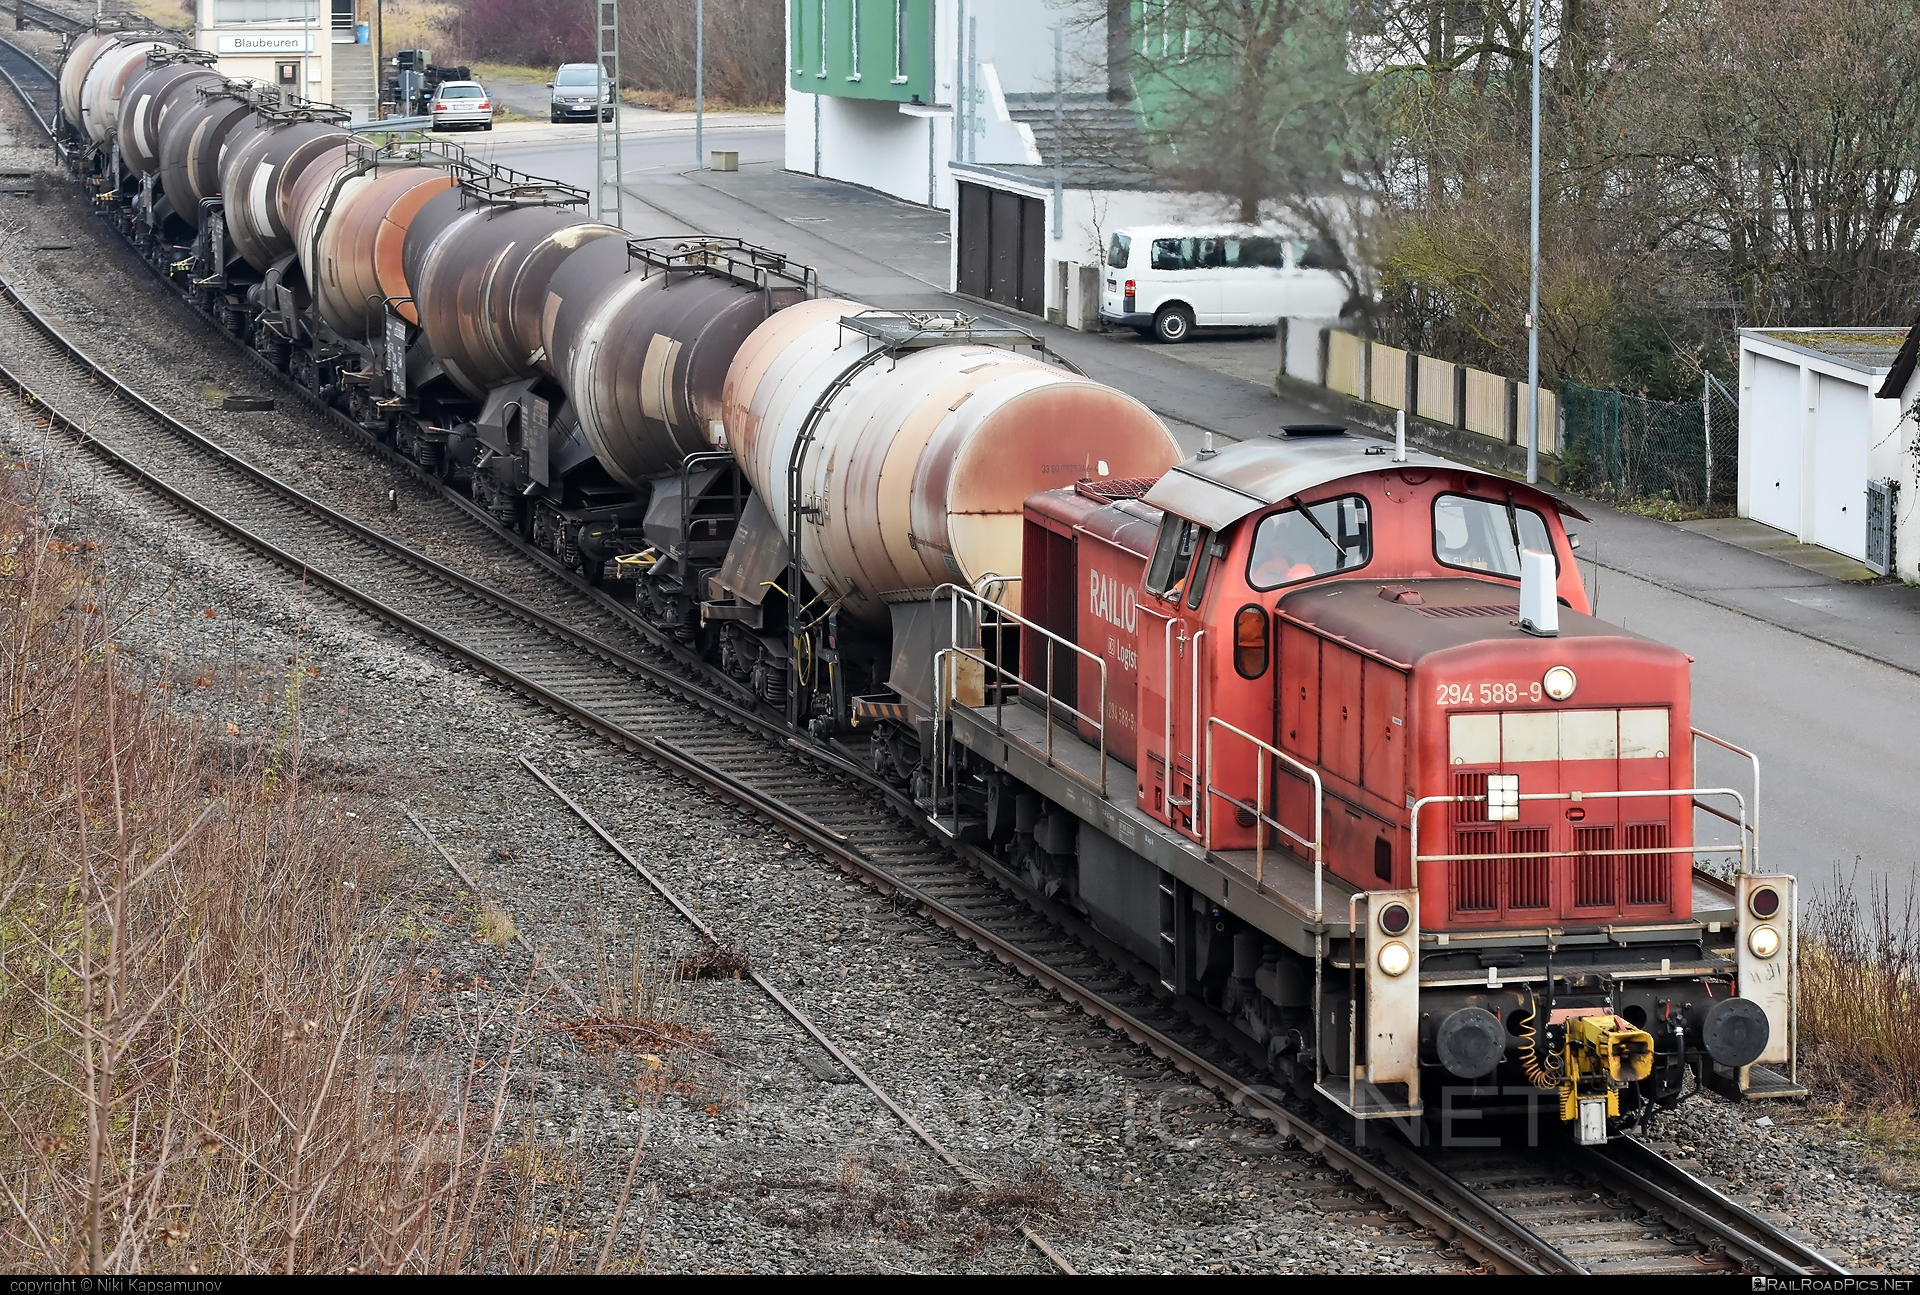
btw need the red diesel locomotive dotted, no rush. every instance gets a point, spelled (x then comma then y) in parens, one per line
(1329, 734)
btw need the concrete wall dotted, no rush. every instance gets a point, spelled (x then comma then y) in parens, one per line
(898, 149)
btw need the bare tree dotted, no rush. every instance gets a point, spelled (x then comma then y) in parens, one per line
(1245, 98)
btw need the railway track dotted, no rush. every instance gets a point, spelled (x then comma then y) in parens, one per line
(1623, 1210)
(37, 86)
(587, 657)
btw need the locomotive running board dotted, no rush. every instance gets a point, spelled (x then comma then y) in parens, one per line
(1370, 1103)
(1752, 1084)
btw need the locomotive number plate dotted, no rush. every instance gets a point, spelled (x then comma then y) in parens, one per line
(1486, 693)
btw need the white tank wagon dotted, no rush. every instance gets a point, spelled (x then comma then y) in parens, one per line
(925, 440)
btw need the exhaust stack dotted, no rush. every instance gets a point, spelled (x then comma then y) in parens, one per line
(1539, 608)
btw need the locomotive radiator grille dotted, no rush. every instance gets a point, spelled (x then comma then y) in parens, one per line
(1476, 882)
(1593, 877)
(1649, 876)
(1529, 881)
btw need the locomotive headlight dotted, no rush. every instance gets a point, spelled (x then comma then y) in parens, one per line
(1764, 942)
(1559, 683)
(1395, 958)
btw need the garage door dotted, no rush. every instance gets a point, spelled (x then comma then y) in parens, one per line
(1003, 247)
(1774, 468)
(1840, 425)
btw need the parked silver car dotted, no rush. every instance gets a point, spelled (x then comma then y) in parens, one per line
(573, 93)
(462, 103)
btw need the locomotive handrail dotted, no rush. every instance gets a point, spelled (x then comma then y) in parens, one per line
(945, 687)
(1316, 845)
(1668, 793)
(1754, 827)
(993, 580)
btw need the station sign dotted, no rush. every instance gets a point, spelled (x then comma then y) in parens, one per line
(277, 42)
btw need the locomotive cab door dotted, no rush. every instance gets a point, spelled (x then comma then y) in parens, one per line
(1174, 673)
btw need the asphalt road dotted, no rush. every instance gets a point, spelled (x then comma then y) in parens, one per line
(1820, 679)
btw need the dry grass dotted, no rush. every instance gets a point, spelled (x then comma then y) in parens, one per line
(1860, 1019)
(492, 925)
(173, 14)
(413, 24)
(205, 1067)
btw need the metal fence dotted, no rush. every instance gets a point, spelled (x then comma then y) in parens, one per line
(1622, 446)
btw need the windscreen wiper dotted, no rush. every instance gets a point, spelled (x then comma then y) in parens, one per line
(1313, 521)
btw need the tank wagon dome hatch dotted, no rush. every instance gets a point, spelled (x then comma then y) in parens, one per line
(1220, 487)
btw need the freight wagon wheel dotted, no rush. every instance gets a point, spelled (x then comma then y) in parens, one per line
(1173, 324)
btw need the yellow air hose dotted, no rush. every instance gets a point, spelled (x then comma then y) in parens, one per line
(1538, 1075)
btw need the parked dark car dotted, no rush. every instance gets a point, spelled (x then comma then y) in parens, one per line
(573, 89)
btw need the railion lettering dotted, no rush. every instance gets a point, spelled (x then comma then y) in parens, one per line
(1112, 602)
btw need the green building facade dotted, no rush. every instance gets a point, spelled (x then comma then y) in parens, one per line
(862, 49)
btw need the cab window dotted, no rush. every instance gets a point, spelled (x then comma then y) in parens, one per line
(1478, 534)
(1317, 539)
(1119, 252)
(1318, 254)
(1172, 554)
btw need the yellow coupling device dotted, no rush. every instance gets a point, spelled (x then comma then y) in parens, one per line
(1601, 1054)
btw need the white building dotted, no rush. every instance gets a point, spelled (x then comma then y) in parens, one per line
(1820, 443)
(872, 92)
(318, 51)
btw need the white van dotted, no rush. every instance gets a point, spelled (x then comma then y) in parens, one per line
(1169, 280)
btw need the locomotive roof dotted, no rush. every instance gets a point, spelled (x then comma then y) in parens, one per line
(1219, 490)
(1451, 612)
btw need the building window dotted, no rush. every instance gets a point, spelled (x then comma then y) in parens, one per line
(228, 13)
(899, 42)
(823, 38)
(853, 39)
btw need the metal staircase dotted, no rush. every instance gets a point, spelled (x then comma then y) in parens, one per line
(355, 85)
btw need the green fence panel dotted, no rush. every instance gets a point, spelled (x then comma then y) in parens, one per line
(1622, 446)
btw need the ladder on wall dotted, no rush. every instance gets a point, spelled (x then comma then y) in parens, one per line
(607, 204)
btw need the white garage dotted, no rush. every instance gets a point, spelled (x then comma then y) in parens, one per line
(1812, 435)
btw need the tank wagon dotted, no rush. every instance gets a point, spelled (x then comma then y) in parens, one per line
(1327, 739)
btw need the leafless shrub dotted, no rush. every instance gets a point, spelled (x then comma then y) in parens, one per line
(206, 1065)
(1860, 998)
